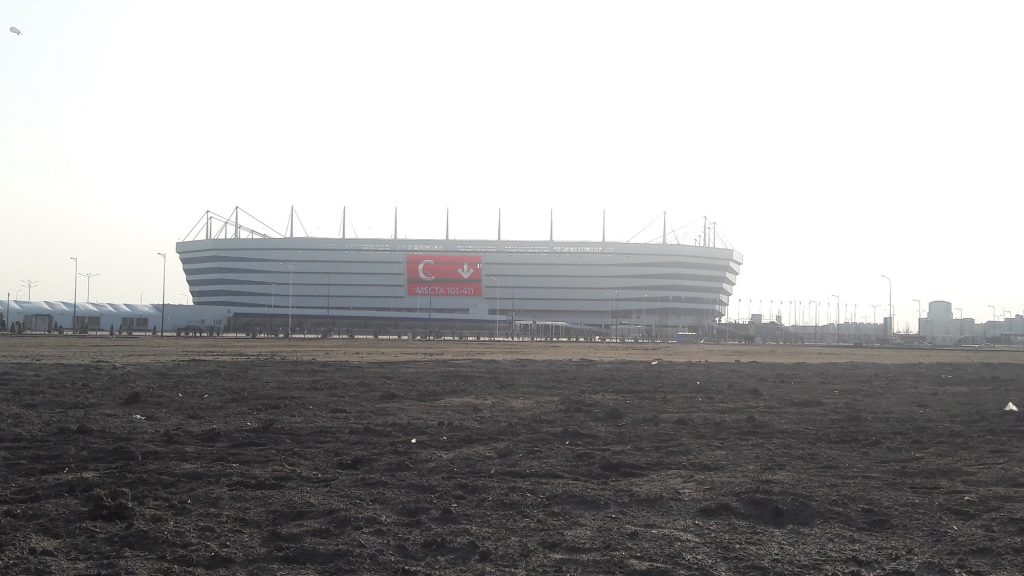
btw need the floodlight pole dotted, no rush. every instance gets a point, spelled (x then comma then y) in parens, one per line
(163, 294)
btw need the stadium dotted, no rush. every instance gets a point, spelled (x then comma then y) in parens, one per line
(498, 287)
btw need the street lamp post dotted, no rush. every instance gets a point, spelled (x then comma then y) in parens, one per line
(163, 294)
(836, 296)
(74, 309)
(291, 270)
(29, 284)
(892, 320)
(815, 302)
(88, 285)
(874, 313)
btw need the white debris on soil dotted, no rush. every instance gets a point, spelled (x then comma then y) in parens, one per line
(1010, 407)
(138, 417)
(413, 440)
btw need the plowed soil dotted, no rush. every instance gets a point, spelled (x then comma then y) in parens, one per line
(580, 464)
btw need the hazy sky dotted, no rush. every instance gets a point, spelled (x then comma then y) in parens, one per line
(831, 142)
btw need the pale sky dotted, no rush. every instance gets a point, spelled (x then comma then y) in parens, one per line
(831, 142)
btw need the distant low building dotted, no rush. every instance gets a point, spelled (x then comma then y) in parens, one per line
(46, 316)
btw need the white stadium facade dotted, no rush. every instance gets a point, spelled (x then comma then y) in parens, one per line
(338, 284)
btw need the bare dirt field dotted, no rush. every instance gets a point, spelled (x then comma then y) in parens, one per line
(218, 456)
(145, 349)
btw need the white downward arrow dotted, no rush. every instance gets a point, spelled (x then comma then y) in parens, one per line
(465, 271)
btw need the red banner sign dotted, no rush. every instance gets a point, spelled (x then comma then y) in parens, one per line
(443, 275)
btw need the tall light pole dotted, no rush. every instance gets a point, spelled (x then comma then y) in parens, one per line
(836, 296)
(815, 302)
(918, 315)
(291, 269)
(874, 312)
(892, 320)
(74, 309)
(993, 311)
(88, 285)
(29, 284)
(163, 294)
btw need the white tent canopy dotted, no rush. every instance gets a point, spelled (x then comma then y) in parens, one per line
(42, 315)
